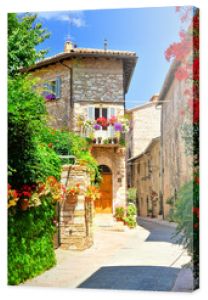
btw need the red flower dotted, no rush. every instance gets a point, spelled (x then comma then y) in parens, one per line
(195, 210)
(196, 69)
(196, 43)
(196, 111)
(196, 21)
(196, 179)
(26, 194)
(24, 204)
(196, 226)
(50, 145)
(181, 74)
(15, 194)
(9, 186)
(113, 120)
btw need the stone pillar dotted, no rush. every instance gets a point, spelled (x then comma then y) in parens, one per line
(75, 215)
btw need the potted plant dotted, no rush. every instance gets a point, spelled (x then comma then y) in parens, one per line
(119, 213)
(115, 140)
(94, 140)
(92, 193)
(105, 141)
(110, 140)
(72, 192)
(99, 139)
(130, 219)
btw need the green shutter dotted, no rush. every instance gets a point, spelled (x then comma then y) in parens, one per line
(58, 87)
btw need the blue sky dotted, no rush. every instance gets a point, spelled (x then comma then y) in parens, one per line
(147, 31)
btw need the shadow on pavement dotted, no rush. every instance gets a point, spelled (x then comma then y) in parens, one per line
(147, 278)
(159, 233)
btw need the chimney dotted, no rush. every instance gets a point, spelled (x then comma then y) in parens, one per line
(105, 44)
(154, 98)
(68, 46)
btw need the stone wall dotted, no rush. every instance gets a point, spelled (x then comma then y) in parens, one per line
(146, 179)
(145, 125)
(76, 215)
(94, 80)
(114, 158)
(177, 166)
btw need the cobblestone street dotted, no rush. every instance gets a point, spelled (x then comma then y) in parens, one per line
(145, 258)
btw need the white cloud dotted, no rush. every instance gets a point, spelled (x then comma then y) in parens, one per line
(75, 18)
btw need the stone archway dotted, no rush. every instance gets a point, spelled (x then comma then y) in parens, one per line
(105, 203)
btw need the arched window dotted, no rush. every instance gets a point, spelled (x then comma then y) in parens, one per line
(104, 169)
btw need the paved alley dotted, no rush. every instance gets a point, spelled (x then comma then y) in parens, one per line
(144, 258)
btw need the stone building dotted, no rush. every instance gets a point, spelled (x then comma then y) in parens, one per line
(87, 84)
(145, 126)
(143, 160)
(176, 165)
(145, 173)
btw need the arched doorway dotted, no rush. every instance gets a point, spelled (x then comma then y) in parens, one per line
(104, 204)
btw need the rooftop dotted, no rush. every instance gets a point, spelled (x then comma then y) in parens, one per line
(129, 59)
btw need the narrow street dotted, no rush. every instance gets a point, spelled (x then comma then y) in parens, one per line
(145, 258)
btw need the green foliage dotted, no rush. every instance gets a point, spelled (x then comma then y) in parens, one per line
(131, 213)
(119, 212)
(130, 221)
(24, 34)
(131, 210)
(68, 143)
(186, 215)
(26, 126)
(30, 242)
(187, 201)
(132, 195)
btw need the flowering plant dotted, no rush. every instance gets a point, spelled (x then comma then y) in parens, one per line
(50, 97)
(97, 127)
(118, 126)
(73, 190)
(30, 195)
(12, 197)
(112, 120)
(92, 193)
(102, 121)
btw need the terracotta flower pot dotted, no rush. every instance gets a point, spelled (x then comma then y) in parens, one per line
(71, 199)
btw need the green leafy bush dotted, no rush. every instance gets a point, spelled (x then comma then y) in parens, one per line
(119, 213)
(186, 216)
(30, 242)
(26, 127)
(130, 218)
(67, 143)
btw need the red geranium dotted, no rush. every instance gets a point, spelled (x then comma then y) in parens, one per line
(195, 210)
(196, 111)
(196, 69)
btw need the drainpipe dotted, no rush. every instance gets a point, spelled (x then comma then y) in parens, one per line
(70, 106)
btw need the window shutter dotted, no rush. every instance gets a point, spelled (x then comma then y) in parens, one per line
(91, 113)
(58, 87)
(111, 112)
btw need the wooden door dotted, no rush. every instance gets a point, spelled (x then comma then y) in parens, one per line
(104, 204)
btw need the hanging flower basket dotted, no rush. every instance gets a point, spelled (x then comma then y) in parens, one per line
(71, 199)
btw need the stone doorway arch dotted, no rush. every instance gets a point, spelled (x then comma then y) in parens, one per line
(105, 203)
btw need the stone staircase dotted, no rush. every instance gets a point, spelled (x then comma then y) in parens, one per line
(107, 222)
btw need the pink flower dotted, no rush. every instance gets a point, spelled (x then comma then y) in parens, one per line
(181, 74)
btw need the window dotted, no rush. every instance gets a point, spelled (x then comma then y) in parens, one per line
(101, 112)
(52, 89)
(98, 112)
